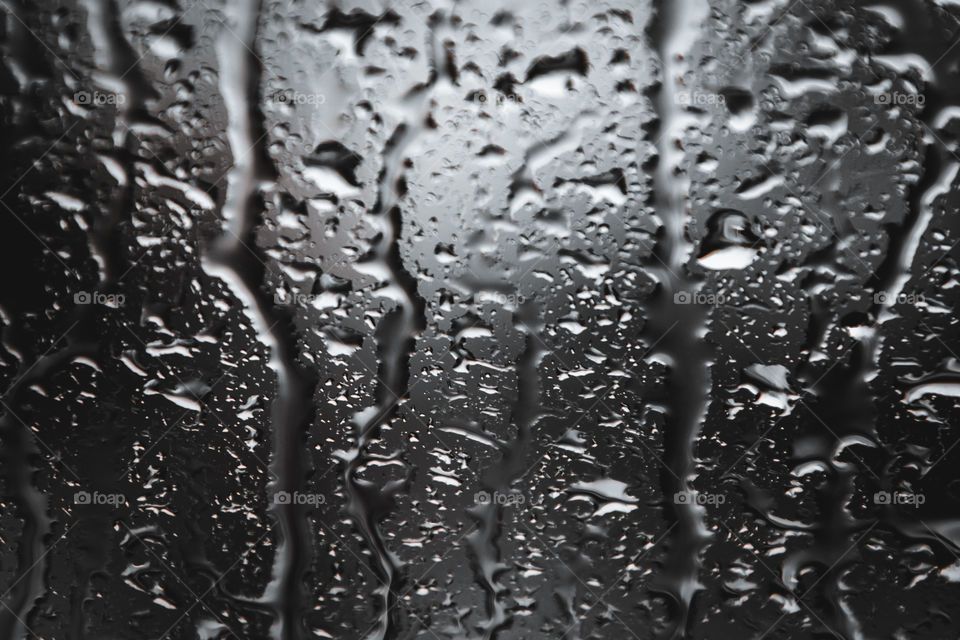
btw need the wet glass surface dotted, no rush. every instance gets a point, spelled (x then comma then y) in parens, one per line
(551, 320)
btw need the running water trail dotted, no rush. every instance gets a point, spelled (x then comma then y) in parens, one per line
(230, 258)
(18, 448)
(678, 329)
(934, 54)
(397, 333)
(120, 72)
(499, 479)
(845, 396)
(396, 339)
(919, 45)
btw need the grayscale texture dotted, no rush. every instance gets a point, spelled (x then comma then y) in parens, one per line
(480, 320)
